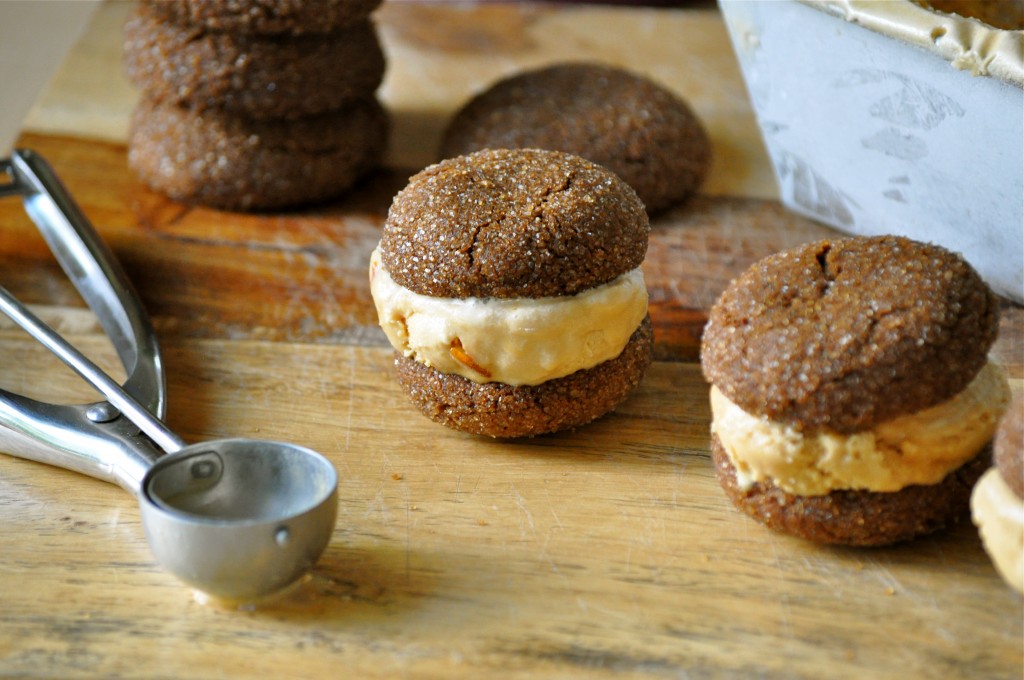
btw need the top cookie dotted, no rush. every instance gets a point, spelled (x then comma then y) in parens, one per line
(258, 77)
(1008, 447)
(847, 333)
(265, 16)
(513, 223)
(645, 134)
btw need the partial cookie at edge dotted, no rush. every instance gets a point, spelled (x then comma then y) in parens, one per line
(1009, 447)
(265, 16)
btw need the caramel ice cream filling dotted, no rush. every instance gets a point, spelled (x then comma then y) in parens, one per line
(520, 341)
(917, 448)
(999, 516)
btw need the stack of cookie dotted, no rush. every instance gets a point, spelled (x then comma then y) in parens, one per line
(254, 104)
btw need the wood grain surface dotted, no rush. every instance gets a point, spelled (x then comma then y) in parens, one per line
(606, 552)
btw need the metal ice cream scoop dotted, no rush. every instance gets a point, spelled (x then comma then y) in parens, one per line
(234, 518)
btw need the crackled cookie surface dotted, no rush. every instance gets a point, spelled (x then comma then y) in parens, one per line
(846, 333)
(513, 223)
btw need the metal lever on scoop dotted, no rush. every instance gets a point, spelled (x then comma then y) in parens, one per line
(235, 518)
(93, 374)
(100, 444)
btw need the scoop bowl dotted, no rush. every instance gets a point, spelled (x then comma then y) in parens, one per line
(239, 519)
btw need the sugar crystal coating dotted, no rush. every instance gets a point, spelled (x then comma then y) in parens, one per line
(846, 333)
(513, 223)
(1009, 447)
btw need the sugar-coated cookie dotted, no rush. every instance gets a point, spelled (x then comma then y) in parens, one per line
(233, 163)
(636, 128)
(997, 503)
(509, 283)
(265, 16)
(261, 77)
(851, 389)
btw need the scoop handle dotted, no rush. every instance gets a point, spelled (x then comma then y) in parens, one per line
(66, 436)
(93, 374)
(89, 438)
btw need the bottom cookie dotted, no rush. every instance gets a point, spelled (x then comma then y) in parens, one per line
(224, 161)
(856, 518)
(500, 410)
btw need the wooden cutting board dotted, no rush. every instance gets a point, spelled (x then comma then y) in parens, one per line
(605, 552)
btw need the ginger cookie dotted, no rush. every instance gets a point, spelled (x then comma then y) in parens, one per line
(500, 410)
(258, 77)
(265, 16)
(636, 128)
(997, 503)
(509, 283)
(233, 163)
(851, 388)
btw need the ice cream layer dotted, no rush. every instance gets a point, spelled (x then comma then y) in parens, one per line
(918, 448)
(521, 341)
(999, 514)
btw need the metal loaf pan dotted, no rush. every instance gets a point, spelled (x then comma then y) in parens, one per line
(892, 118)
